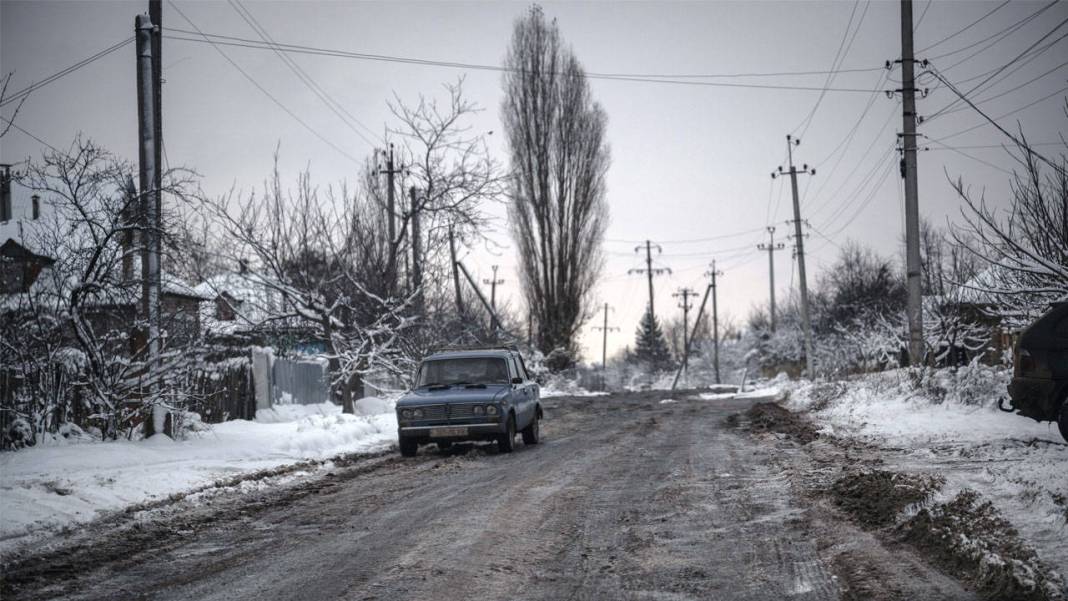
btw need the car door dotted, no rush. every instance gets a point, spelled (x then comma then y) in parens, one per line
(524, 407)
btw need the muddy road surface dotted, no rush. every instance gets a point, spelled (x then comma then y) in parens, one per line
(627, 497)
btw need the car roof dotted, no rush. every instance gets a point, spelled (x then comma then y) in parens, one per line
(459, 354)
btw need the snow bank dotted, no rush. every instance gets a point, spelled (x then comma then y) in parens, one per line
(946, 421)
(45, 488)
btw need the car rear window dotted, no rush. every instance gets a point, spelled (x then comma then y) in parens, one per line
(466, 370)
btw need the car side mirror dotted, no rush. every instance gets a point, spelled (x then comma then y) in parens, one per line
(517, 380)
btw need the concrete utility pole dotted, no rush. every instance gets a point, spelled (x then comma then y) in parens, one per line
(391, 207)
(649, 270)
(604, 340)
(150, 213)
(417, 254)
(913, 266)
(155, 13)
(685, 294)
(715, 318)
(492, 283)
(693, 334)
(455, 273)
(806, 324)
(771, 247)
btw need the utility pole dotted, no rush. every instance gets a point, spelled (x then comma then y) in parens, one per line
(492, 297)
(913, 266)
(417, 254)
(155, 13)
(693, 334)
(771, 247)
(649, 270)
(715, 318)
(391, 208)
(685, 294)
(806, 324)
(455, 273)
(604, 340)
(150, 214)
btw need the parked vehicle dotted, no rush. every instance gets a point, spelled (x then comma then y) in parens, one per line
(470, 394)
(1039, 387)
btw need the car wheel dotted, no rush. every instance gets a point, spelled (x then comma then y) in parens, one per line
(506, 441)
(1062, 421)
(408, 447)
(444, 445)
(532, 433)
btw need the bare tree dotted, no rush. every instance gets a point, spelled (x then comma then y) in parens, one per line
(559, 157)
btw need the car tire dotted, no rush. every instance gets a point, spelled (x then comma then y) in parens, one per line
(1062, 420)
(444, 445)
(408, 447)
(506, 441)
(532, 433)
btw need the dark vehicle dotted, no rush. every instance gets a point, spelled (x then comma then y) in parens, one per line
(470, 395)
(1039, 387)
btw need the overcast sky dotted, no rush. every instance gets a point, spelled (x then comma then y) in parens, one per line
(690, 162)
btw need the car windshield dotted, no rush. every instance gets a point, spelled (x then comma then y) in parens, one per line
(467, 370)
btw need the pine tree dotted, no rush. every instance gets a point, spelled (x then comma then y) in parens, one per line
(649, 346)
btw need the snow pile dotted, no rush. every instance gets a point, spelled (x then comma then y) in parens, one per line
(946, 421)
(49, 487)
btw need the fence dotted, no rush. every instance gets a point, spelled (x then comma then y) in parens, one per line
(285, 381)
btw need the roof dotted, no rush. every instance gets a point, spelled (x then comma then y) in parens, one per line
(460, 354)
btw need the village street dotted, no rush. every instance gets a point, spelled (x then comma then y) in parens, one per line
(630, 496)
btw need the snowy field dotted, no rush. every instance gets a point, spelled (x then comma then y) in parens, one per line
(948, 423)
(48, 487)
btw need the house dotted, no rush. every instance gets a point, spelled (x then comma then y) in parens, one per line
(20, 267)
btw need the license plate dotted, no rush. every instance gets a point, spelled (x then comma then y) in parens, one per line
(448, 432)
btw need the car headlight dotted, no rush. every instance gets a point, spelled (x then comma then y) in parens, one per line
(418, 413)
(478, 410)
(406, 413)
(491, 410)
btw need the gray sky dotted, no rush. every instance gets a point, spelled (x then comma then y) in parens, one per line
(690, 162)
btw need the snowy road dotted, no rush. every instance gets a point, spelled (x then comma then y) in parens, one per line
(627, 498)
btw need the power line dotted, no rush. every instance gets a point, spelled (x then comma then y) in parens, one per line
(995, 73)
(64, 72)
(1016, 88)
(253, 81)
(839, 56)
(222, 40)
(965, 28)
(1008, 114)
(301, 74)
(689, 240)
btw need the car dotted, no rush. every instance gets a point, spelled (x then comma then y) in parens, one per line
(470, 394)
(1039, 386)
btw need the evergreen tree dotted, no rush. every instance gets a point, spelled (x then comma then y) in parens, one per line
(649, 346)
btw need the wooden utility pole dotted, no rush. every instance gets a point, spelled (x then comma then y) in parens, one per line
(685, 294)
(604, 338)
(771, 247)
(150, 215)
(713, 273)
(417, 254)
(492, 283)
(806, 323)
(913, 265)
(649, 270)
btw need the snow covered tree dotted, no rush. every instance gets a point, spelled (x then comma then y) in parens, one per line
(650, 348)
(1024, 249)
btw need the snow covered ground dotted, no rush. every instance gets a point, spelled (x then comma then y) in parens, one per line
(947, 423)
(49, 487)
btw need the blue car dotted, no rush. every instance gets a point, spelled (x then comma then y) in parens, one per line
(461, 395)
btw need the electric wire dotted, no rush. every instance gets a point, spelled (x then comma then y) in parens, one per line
(965, 28)
(264, 90)
(16, 96)
(839, 56)
(219, 40)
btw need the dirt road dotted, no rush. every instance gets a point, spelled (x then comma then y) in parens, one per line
(626, 498)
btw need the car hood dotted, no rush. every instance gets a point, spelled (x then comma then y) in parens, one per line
(455, 394)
